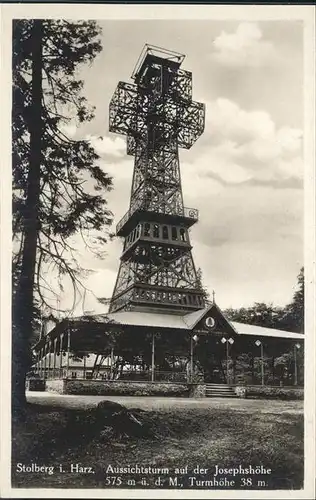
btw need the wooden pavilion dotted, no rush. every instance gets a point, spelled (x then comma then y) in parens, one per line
(201, 346)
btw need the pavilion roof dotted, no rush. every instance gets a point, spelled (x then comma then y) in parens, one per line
(188, 322)
(245, 329)
(139, 318)
(96, 325)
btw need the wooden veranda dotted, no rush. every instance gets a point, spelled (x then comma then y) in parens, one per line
(202, 346)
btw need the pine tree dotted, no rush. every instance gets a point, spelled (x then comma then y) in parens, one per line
(58, 187)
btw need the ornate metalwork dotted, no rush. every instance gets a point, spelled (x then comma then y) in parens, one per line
(158, 116)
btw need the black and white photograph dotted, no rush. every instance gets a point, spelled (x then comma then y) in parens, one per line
(161, 272)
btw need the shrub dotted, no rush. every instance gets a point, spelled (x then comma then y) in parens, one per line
(268, 392)
(126, 388)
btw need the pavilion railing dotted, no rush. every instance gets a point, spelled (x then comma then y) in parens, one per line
(146, 375)
(158, 376)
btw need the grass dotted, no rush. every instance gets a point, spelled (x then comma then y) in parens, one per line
(193, 436)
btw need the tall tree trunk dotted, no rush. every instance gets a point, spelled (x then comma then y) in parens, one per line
(24, 299)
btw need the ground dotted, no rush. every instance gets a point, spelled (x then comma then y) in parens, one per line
(154, 403)
(182, 434)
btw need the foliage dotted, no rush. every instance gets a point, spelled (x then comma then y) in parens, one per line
(260, 314)
(58, 187)
(265, 392)
(126, 389)
(72, 185)
(290, 317)
(204, 290)
(293, 314)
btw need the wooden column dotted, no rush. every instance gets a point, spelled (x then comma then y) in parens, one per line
(45, 361)
(252, 365)
(252, 368)
(37, 362)
(54, 359)
(262, 364)
(68, 351)
(153, 358)
(234, 367)
(295, 366)
(191, 359)
(49, 360)
(40, 362)
(112, 364)
(61, 355)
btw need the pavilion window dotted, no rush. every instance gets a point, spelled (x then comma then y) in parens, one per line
(147, 229)
(182, 234)
(156, 231)
(165, 234)
(174, 233)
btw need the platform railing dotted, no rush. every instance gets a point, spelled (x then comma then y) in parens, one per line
(188, 213)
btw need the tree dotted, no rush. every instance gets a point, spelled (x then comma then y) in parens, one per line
(204, 290)
(293, 316)
(290, 317)
(260, 314)
(58, 187)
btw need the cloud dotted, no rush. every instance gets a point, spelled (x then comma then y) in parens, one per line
(107, 146)
(244, 47)
(243, 146)
(228, 119)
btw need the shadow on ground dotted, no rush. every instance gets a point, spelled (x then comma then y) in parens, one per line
(168, 439)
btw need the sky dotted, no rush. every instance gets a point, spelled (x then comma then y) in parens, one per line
(244, 174)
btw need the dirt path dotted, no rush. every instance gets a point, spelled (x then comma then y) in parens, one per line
(164, 403)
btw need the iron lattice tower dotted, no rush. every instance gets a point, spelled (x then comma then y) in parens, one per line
(158, 116)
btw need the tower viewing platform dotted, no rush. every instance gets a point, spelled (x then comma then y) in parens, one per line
(158, 116)
(130, 219)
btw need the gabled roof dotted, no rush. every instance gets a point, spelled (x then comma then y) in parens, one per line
(245, 329)
(194, 317)
(184, 322)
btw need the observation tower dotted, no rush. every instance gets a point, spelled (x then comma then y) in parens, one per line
(157, 115)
